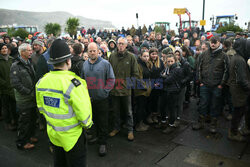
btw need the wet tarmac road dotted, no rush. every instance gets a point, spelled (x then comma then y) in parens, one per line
(182, 148)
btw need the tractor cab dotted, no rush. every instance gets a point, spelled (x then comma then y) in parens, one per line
(186, 24)
(165, 24)
(224, 20)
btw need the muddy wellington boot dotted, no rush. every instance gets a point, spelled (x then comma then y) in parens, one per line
(200, 124)
(213, 126)
(236, 136)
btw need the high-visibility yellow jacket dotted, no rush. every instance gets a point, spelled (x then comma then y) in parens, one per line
(63, 98)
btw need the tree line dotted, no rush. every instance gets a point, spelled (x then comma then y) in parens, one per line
(49, 28)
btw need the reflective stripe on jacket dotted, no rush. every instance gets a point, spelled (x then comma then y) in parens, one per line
(62, 97)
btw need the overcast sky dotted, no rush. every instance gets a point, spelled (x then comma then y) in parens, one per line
(122, 12)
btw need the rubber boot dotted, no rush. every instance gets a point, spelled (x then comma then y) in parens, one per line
(141, 127)
(169, 129)
(213, 126)
(236, 136)
(200, 124)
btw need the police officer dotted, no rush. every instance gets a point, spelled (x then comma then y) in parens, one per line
(62, 97)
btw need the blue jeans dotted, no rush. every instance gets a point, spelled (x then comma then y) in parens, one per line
(210, 101)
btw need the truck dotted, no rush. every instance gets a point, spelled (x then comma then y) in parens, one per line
(30, 29)
(223, 20)
(3, 30)
(185, 25)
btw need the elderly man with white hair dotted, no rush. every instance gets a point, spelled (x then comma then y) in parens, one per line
(125, 69)
(22, 78)
(165, 44)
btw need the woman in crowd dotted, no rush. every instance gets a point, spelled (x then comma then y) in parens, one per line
(187, 75)
(186, 53)
(142, 91)
(156, 67)
(172, 76)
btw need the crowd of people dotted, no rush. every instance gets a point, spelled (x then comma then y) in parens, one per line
(135, 80)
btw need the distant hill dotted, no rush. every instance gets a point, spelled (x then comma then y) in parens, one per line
(9, 17)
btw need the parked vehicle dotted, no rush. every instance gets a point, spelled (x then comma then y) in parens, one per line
(186, 25)
(222, 21)
(30, 29)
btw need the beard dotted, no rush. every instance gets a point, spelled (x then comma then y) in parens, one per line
(93, 58)
(38, 51)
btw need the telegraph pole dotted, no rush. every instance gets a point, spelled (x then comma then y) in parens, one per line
(202, 29)
(137, 20)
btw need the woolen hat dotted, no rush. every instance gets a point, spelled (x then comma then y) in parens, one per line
(167, 50)
(144, 44)
(176, 38)
(111, 41)
(38, 42)
(209, 35)
(59, 52)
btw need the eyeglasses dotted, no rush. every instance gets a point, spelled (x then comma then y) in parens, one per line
(170, 61)
(121, 43)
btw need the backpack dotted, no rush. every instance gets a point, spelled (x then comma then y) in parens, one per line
(46, 56)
